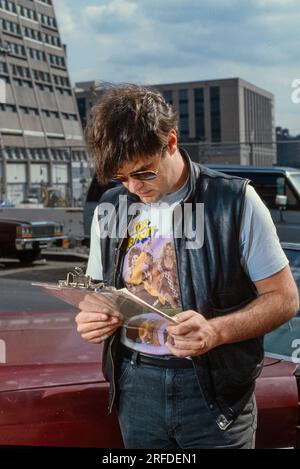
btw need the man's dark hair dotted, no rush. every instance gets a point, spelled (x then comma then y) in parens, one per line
(128, 122)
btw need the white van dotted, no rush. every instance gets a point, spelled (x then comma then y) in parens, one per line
(279, 188)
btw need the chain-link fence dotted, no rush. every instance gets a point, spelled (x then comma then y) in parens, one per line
(281, 153)
(257, 154)
(61, 175)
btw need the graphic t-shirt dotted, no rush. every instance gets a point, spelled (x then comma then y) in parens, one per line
(150, 272)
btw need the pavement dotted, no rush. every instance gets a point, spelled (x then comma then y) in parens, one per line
(53, 266)
(80, 252)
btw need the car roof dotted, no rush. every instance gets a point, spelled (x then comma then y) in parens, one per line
(13, 221)
(295, 246)
(257, 169)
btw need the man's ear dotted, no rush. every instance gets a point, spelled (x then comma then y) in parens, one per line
(172, 141)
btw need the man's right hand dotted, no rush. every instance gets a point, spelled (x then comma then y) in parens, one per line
(98, 318)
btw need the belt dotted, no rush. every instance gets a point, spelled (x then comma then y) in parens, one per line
(141, 358)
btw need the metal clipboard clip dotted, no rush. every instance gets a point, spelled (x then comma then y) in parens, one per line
(78, 279)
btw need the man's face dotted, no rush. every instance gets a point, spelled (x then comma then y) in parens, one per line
(150, 191)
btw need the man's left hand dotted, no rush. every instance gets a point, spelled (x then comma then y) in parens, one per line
(194, 335)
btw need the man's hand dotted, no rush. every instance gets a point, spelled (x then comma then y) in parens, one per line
(194, 335)
(277, 302)
(98, 318)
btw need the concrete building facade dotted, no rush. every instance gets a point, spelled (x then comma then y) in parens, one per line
(41, 139)
(224, 121)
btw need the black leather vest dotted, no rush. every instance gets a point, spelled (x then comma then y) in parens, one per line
(212, 281)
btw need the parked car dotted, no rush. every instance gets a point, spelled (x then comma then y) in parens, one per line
(279, 188)
(24, 240)
(53, 393)
(6, 203)
(94, 194)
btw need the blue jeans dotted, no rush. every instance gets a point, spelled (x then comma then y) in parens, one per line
(164, 408)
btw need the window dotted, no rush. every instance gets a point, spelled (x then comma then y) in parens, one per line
(81, 102)
(32, 34)
(29, 111)
(183, 113)
(10, 27)
(10, 108)
(37, 54)
(16, 49)
(28, 13)
(64, 91)
(270, 185)
(3, 67)
(215, 113)
(42, 76)
(47, 21)
(45, 113)
(8, 6)
(59, 80)
(199, 113)
(52, 40)
(168, 96)
(48, 88)
(4, 78)
(20, 71)
(47, 2)
(56, 60)
(49, 113)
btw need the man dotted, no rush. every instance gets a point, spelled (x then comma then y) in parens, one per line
(193, 386)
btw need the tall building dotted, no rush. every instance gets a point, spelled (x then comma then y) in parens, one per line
(224, 121)
(87, 94)
(220, 121)
(41, 138)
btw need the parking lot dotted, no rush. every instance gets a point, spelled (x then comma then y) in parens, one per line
(17, 294)
(50, 268)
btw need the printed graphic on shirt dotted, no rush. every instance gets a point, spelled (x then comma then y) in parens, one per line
(150, 272)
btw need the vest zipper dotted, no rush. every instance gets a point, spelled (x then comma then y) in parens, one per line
(176, 255)
(112, 383)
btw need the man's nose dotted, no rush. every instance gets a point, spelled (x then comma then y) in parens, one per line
(134, 185)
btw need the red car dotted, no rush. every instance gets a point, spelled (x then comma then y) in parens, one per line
(53, 393)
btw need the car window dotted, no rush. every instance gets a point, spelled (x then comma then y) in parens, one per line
(295, 177)
(268, 186)
(285, 340)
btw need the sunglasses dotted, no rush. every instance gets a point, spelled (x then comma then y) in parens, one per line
(146, 175)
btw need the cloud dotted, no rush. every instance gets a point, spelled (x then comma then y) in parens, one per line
(111, 17)
(155, 41)
(65, 16)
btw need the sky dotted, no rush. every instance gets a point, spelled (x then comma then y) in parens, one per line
(166, 41)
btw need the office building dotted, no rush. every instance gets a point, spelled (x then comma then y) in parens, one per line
(224, 121)
(41, 139)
